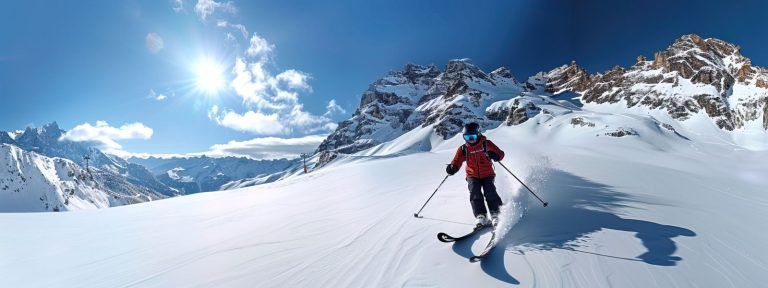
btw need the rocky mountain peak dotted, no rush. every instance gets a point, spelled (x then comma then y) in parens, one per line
(693, 41)
(705, 61)
(502, 73)
(460, 69)
(417, 73)
(51, 126)
(693, 74)
(384, 110)
(49, 133)
(570, 77)
(5, 137)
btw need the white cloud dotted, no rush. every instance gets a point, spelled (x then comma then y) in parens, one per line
(296, 120)
(259, 88)
(254, 84)
(294, 79)
(230, 37)
(333, 108)
(154, 42)
(268, 147)
(160, 155)
(156, 96)
(250, 121)
(238, 27)
(205, 8)
(288, 96)
(259, 47)
(104, 136)
(87, 131)
(330, 126)
(299, 117)
(241, 28)
(263, 148)
(177, 5)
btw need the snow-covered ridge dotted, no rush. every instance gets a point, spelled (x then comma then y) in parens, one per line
(47, 140)
(30, 182)
(693, 75)
(126, 183)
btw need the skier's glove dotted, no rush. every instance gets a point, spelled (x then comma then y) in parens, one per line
(451, 169)
(494, 156)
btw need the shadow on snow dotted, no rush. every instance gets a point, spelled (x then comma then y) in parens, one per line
(578, 207)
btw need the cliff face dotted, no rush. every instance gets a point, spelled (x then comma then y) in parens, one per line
(691, 75)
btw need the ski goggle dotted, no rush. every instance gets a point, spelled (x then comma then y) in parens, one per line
(470, 137)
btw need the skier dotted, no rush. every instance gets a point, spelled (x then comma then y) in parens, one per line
(478, 152)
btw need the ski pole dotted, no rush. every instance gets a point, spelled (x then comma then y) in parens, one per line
(526, 186)
(430, 197)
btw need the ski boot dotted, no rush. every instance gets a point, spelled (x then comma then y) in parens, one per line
(481, 220)
(494, 219)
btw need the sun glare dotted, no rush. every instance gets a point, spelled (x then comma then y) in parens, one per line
(210, 76)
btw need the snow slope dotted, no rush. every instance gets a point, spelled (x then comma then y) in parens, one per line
(31, 182)
(651, 209)
(127, 182)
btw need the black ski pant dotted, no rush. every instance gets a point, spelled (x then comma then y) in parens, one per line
(476, 197)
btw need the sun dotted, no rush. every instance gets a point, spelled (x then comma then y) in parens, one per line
(209, 75)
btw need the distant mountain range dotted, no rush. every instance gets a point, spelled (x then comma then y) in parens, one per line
(198, 174)
(43, 172)
(49, 174)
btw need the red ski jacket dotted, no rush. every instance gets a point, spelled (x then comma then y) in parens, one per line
(478, 163)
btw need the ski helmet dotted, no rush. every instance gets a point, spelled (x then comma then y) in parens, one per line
(472, 128)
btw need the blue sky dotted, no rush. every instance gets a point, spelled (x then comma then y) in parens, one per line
(79, 62)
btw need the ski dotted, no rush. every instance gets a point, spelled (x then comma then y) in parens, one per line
(488, 248)
(443, 237)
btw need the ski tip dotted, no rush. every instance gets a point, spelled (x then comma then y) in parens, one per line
(474, 259)
(444, 237)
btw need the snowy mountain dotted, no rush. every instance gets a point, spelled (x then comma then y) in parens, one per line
(420, 96)
(693, 78)
(7, 137)
(384, 110)
(700, 83)
(47, 141)
(201, 174)
(126, 182)
(30, 182)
